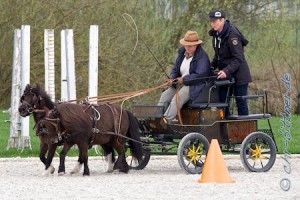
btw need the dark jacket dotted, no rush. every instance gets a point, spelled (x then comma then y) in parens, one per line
(229, 53)
(199, 67)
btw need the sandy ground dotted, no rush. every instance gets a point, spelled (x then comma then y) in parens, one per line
(22, 178)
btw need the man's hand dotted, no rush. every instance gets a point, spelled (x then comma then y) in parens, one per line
(221, 74)
(179, 80)
(170, 82)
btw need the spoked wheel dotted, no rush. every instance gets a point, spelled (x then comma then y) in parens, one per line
(135, 164)
(258, 152)
(191, 152)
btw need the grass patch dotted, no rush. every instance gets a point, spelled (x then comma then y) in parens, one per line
(293, 145)
(34, 151)
(35, 142)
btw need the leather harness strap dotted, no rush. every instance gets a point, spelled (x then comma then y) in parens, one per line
(177, 106)
(117, 120)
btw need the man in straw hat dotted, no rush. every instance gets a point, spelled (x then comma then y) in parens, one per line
(191, 64)
(228, 43)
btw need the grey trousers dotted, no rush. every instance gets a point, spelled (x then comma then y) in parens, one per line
(168, 99)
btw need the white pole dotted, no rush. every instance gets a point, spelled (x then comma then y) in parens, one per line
(70, 65)
(49, 62)
(63, 76)
(15, 92)
(25, 63)
(93, 63)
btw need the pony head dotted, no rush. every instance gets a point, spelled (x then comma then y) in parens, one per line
(30, 100)
(51, 126)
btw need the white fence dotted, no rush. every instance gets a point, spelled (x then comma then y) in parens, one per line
(19, 126)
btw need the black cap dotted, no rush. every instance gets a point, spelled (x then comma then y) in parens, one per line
(216, 14)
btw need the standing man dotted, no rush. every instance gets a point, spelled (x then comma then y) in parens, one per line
(228, 43)
(191, 64)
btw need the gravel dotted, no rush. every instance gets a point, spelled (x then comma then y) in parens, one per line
(23, 178)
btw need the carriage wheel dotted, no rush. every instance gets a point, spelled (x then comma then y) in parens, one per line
(191, 152)
(258, 152)
(135, 164)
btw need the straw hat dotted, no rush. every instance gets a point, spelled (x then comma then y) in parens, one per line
(190, 38)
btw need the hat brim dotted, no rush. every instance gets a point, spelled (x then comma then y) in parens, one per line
(188, 43)
(214, 18)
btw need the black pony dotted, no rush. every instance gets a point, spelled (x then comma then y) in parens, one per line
(87, 125)
(36, 101)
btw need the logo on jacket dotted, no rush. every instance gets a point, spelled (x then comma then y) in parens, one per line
(234, 41)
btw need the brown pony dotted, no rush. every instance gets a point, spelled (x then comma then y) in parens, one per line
(35, 100)
(94, 124)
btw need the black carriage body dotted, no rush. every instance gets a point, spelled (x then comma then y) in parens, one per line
(202, 121)
(209, 122)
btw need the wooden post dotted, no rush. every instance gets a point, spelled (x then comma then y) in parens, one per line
(63, 73)
(70, 63)
(93, 63)
(49, 62)
(15, 92)
(25, 79)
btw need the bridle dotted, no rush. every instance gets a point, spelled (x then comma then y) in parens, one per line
(32, 107)
(56, 123)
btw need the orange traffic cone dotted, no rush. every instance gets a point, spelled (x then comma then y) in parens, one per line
(214, 169)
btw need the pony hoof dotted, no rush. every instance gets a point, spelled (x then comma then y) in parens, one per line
(52, 169)
(76, 168)
(86, 173)
(61, 173)
(109, 171)
(46, 173)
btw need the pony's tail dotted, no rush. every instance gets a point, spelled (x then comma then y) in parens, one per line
(133, 133)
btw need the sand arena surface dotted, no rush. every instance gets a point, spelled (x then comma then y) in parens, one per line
(22, 178)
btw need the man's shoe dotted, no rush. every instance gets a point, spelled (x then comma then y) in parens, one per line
(174, 121)
(165, 120)
(169, 121)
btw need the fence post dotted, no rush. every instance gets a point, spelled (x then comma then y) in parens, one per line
(93, 63)
(15, 92)
(70, 63)
(49, 62)
(25, 76)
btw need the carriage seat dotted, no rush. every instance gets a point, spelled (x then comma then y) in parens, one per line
(209, 97)
(207, 105)
(249, 117)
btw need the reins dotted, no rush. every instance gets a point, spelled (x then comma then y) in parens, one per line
(115, 98)
(112, 99)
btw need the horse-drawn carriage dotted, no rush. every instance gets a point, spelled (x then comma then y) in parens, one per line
(203, 120)
(107, 125)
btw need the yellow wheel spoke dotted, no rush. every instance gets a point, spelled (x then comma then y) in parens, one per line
(257, 153)
(194, 154)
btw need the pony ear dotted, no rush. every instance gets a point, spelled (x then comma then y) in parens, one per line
(28, 86)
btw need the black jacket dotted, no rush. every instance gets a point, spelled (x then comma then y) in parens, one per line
(229, 53)
(199, 67)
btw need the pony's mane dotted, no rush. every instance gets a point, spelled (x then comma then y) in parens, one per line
(27, 89)
(46, 98)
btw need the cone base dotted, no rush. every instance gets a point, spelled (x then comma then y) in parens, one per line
(217, 181)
